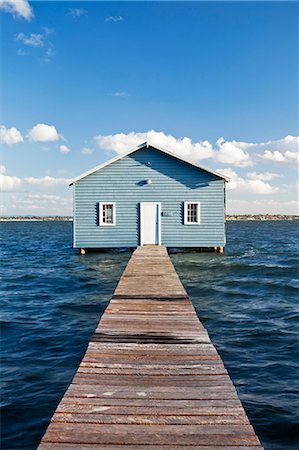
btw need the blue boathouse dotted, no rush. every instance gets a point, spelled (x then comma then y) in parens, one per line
(149, 196)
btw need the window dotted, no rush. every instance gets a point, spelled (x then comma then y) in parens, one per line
(107, 214)
(191, 213)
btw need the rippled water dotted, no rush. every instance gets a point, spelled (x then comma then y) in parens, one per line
(247, 299)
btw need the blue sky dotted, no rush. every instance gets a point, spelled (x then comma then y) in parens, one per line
(213, 81)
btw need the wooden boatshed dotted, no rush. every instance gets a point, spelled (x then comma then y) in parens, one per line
(149, 195)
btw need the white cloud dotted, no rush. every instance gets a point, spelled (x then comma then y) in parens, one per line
(34, 195)
(254, 186)
(86, 151)
(38, 40)
(282, 150)
(292, 156)
(121, 143)
(276, 156)
(10, 136)
(48, 199)
(33, 40)
(236, 206)
(235, 180)
(273, 156)
(64, 149)
(43, 133)
(37, 204)
(261, 187)
(8, 183)
(114, 19)
(13, 183)
(19, 8)
(45, 182)
(236, 153)
(266, 176)
(77, 12)
(233, 152)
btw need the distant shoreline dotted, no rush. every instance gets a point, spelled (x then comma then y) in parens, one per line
(234, 217)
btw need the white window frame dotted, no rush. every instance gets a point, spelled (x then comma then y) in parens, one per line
(186, 222)
(103, 224)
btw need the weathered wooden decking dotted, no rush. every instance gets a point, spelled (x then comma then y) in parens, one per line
(150, 378)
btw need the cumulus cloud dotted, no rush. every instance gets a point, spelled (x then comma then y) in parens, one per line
(36, 204)
(114, 19)
(46, 181)
(33, 39)
(64, 149)
(8, 183)
(237, 153)
(43, 133)
(277, 156)
(266, 176)
(233, 152)
(77, 12)
(13, 183)
(274, 156)
(121, 143)
(10, 136)
(18, 8)
(254, 186)
(282, 150)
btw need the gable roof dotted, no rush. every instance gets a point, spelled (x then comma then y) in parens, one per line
(145, 145)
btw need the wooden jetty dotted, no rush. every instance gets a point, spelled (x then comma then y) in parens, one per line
(150, 378)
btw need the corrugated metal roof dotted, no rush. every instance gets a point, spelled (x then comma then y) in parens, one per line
(140, 147)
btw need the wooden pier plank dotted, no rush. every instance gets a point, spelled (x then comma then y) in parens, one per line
(150, 378)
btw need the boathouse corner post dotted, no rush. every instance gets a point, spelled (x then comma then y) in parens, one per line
(218, 249)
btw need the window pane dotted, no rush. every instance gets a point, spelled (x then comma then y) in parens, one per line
(107, 213)
(192, 209)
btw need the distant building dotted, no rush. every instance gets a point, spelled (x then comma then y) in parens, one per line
(149, 196)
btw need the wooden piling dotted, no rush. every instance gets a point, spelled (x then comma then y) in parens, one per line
(150, 378)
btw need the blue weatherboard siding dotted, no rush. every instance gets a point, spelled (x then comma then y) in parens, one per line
(173, 183)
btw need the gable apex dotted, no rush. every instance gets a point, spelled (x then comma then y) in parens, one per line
(146, 144)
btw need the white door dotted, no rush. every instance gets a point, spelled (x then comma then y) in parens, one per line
(150, 223)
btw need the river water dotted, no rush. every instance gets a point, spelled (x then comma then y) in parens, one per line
(52, 299)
